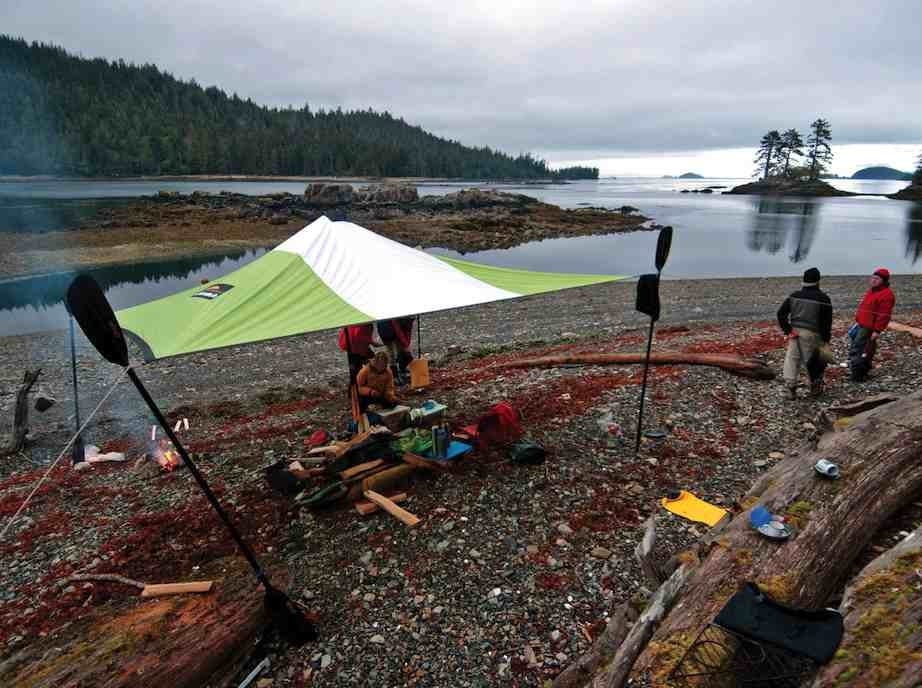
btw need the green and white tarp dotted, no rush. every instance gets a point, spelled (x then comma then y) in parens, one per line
(327, 275)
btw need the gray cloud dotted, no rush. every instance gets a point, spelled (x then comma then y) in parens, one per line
(588, 81)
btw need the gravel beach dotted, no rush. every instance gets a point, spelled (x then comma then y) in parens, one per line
(513, 568)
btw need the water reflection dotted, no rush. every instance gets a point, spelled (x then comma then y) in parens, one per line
(774, 221)
(914, 232)
(49, 290)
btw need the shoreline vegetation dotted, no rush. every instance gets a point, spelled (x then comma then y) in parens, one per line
(172, 225)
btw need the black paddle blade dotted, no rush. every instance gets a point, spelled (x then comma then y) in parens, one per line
(663, 244)
(288, 618)
(648, 295)
(90, 308)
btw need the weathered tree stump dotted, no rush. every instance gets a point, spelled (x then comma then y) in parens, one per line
(745, 367)
(880, 457)
(184, 641)
(21, 414)
(882, 645)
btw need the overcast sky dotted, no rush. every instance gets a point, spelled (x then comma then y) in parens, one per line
(635, 86)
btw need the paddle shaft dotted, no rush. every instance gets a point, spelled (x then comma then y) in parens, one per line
(202, 483)
(643, 387)
(77, 451)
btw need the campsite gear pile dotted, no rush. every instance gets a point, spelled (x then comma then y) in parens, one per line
(756, 641)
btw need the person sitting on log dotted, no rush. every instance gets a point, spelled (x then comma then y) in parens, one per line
(376, 383)
(806, 318)
(871, 319)
(397, 335)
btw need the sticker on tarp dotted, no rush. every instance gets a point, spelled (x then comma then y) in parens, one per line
(212, 291)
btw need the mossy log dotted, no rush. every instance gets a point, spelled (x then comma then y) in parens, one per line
(880, 458)
(746, 367)
(183, 641)
(882, 607)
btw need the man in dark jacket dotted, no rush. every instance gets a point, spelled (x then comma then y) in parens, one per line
(806, 318)
(871, 320)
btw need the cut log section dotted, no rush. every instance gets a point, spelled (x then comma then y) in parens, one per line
(880, 457)
(365, 507)
(391, 508)
(184, 641)
(746, 367)
(162, 589)
(882, 607)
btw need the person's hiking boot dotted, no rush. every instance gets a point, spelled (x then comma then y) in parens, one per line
(816, 388)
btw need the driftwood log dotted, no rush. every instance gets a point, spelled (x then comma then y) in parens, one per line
(745, 367)
(184, 641)
(21, 414)
(580, 672)
(909, 329)
(882, 607)
(880, 457)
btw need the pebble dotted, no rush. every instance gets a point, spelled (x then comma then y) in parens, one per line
(264, 683)
(600, 552)
(555, 636)
(760, 463)
(325, 661)
(776, 455)
(369, 597)
(377, 639)
(532, 549)
(564, 530)
(442, 546)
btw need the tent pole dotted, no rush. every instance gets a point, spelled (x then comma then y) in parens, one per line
(77, 451)
(419, 336)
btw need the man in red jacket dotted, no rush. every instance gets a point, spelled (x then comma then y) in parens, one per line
(872, 318)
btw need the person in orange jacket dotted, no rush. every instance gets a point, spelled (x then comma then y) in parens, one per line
(376, 383)
(871, 319)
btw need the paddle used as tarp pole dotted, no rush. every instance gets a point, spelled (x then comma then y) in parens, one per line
(88, 305)
(78, 453)
(419, 337)
(648, 302)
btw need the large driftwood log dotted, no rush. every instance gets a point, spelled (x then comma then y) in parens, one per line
(580, 672)
(618, 671)
(882, 645)
(746, 367)
(184, 641)
(21, 414)
(880, 456)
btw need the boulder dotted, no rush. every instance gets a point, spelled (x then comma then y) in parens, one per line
(387, 193)
(322, 193)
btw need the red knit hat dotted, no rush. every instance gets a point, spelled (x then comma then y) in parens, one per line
(883, 273)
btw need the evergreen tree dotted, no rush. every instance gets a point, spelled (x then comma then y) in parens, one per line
(917, 175)
(790, 146)
(65, 115)
(765, 157)
(819, 153)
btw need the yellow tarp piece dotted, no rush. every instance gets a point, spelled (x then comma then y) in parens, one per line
(689, 506)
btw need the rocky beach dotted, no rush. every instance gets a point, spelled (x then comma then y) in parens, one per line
(512, 571)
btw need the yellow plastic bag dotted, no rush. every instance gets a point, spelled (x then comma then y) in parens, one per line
(419, 373)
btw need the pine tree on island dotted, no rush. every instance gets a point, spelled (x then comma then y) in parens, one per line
(766, 157)
(917, 175)
(790, 147)
(820, 153)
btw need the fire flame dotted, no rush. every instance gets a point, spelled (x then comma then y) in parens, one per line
(166, 455)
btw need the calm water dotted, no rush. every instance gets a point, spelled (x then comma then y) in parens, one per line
(716, 235)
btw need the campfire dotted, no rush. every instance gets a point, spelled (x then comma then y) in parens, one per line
(165, 455)
(162, 452)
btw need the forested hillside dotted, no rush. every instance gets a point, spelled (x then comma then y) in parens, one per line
(66, 115)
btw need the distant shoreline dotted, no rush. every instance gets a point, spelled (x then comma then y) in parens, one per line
(283, 178)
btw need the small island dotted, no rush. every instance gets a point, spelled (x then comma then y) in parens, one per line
(778, 159)
(882, 173)
(691, 175)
